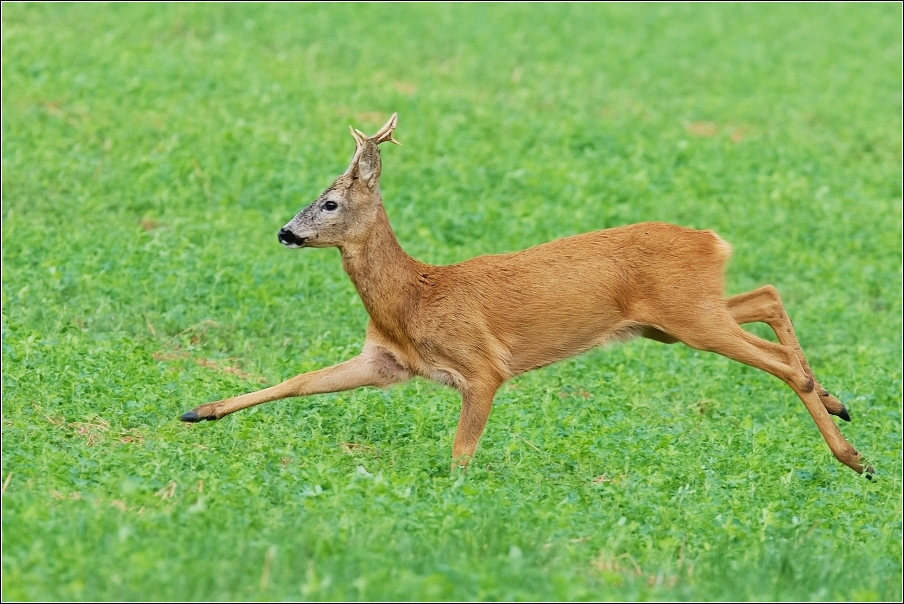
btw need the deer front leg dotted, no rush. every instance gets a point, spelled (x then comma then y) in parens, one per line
(476, 403)
(373, 367)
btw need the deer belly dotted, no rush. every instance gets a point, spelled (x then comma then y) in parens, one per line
(559, 336)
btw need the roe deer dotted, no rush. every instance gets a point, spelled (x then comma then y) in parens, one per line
(475, 324)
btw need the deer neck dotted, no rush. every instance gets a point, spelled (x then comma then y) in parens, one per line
(384, 275)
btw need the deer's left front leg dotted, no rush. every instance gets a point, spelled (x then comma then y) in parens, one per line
(373, 367)
(476, 402)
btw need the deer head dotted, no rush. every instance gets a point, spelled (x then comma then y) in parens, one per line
(346, 210)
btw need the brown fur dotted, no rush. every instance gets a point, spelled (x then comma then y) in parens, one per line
(475, 324)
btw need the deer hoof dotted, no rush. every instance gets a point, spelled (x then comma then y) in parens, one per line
(193, 417)
(833, 405)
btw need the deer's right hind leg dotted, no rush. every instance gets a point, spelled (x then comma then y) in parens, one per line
(763, 305)
(373, 367)
(723, 335)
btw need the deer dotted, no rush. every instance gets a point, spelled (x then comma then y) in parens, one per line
(476, 324)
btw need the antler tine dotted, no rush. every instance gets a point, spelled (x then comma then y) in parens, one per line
(385, 133)
(359, 136)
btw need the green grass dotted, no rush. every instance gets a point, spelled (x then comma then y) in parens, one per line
(149, 155)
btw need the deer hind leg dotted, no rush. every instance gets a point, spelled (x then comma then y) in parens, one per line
(373, 367)
(723, 335)
(763, 305)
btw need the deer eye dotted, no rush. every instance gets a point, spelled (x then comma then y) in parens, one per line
(330, 205)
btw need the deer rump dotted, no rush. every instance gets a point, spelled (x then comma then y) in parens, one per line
(475, 324)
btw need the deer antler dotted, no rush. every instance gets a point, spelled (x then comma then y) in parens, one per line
(359, 136)
(385, 133)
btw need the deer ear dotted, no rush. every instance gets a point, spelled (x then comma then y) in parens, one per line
(367, 167)
(355, 169)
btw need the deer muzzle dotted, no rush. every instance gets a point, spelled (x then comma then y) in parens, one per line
(290, 239)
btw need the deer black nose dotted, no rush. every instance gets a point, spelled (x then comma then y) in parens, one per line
(287, 237)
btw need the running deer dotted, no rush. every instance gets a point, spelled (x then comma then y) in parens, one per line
(474, 325)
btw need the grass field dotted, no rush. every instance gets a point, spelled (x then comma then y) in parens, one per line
(150, 154)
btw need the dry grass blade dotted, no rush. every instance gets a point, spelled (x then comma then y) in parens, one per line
(167, 492)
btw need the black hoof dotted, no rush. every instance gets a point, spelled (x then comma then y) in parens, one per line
(843, 414)
(191, 416)
(869, 472)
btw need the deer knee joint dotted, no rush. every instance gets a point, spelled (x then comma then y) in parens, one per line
(774, 307)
